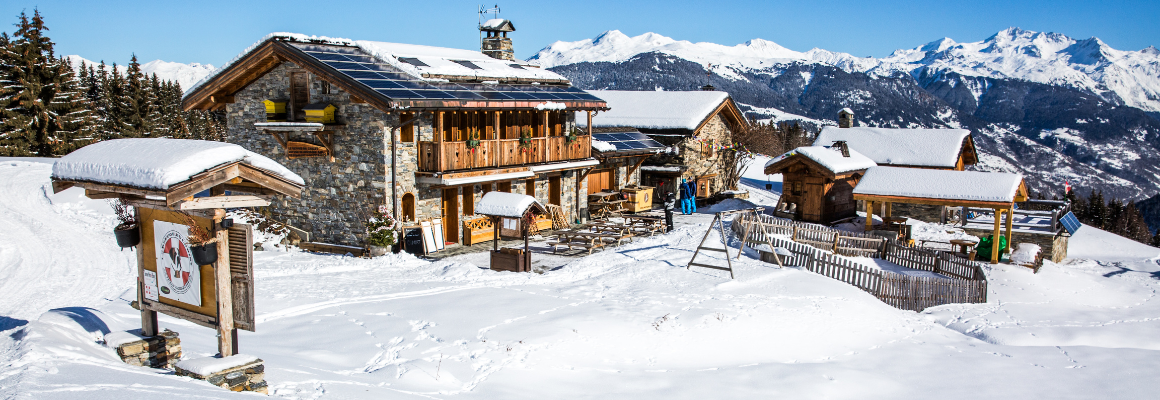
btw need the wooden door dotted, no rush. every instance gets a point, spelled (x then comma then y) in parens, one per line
(451, 215)
(505, 186)
(299, 94)
(530, 187)
(468, 200)
(599, 181)
(554, 190)
(811, 205)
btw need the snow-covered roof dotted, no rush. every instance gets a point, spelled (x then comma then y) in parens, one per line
(940, 184)
(831, 158)
(505, 204)
(655, 109)
(495, 24)
(440, 61)
(157, 163)
(916, 147)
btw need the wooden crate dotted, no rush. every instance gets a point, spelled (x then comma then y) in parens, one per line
(514, 260)
(320, 112)
(639, 198)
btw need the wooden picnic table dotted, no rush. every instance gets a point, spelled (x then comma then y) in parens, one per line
(647, 224)
(963, 245)
(588, 237)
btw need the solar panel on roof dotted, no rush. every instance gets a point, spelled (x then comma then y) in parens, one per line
(346, 65)
(467, 64)
(1070, 223)
(329, 56)
(413, 61)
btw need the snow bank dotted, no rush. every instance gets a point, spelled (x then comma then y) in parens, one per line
(118, 338)
(939, 184)
(504, 204)
(206, 366)
(918, 147)
(831, 158)
(655, 110)
(603, 146)
(157, 163)
(1025, 253)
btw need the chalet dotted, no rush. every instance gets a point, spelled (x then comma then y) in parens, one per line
(818, 182)
(945, 149)
(694, 123)
(424, 130)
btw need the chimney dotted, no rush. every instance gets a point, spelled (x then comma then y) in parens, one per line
(495, 43)
(841, 146)
(846, 118)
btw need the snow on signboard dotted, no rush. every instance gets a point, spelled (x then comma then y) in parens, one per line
(178, 277)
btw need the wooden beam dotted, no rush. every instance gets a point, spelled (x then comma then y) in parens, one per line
(200, 319)
(589, 122)
(202, 181)
(995, 237)
(439, 141)
(248, 188)
(271, 182)
(495, 153)
(96, 195)
(934, 202)
(60, 186)
(869, 215)
(223, 285)
(221, 99)
(628, 176)
(327, 140)
(1007, 247)
(202, 203)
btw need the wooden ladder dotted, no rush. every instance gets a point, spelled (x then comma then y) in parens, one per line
(720, 228)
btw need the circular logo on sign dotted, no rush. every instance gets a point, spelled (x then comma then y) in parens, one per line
(176, 263)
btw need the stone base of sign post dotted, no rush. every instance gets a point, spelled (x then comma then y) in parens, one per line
(161, 351)
(237, 372)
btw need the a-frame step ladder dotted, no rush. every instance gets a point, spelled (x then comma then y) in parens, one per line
(720, 224)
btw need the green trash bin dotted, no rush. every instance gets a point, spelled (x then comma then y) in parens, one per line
(983, 249)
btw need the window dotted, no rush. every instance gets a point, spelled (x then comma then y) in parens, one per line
(413, 61)
(467, 64)
(797, 188)
(325, 87)
(707, 149)
(409, 207)
(407, 132)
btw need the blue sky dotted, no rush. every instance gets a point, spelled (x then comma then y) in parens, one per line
(214, 31)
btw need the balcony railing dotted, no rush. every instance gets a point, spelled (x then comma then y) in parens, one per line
(454, 156)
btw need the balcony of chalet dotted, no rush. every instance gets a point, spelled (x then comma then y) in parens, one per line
(467, 140)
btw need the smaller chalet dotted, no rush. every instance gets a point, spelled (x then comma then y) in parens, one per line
(818, 182)
(696, 124)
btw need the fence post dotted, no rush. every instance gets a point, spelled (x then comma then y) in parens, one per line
(794, 236)
(836, 237)
(937, 263)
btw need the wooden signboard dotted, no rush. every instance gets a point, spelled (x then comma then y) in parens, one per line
(303, 149)
(167, 266)
(510, 227)
(170, 262)
(437, 229)
(428, 237)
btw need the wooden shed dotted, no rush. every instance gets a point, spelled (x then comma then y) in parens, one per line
(818, 182)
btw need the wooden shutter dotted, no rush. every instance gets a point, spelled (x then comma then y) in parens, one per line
(241, 255)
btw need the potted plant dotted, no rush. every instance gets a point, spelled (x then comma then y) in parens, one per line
(382, 232)
(473, 142)
(126, 231)
(202, 244)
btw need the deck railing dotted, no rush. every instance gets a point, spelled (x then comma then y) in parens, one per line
(454, 156)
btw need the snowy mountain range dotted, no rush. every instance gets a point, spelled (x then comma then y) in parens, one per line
(1054, 108)
(185, 74)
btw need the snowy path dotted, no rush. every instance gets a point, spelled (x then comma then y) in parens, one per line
(55, 250)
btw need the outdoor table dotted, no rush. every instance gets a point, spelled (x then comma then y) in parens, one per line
(963, 245)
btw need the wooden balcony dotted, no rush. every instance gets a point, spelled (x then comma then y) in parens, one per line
(455, 156)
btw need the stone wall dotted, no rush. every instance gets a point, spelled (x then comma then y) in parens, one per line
(340, 194)
(714, 131)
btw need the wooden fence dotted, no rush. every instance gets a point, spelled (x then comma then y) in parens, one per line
(965, 282)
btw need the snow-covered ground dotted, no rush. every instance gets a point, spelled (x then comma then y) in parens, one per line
(629, 322)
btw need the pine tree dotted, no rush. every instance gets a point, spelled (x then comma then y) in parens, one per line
(118, 103)
(1156, 239)
(42, 110)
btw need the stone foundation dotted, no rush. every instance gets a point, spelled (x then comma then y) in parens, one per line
(1054, 247)
(160, 351)
(237, 373)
